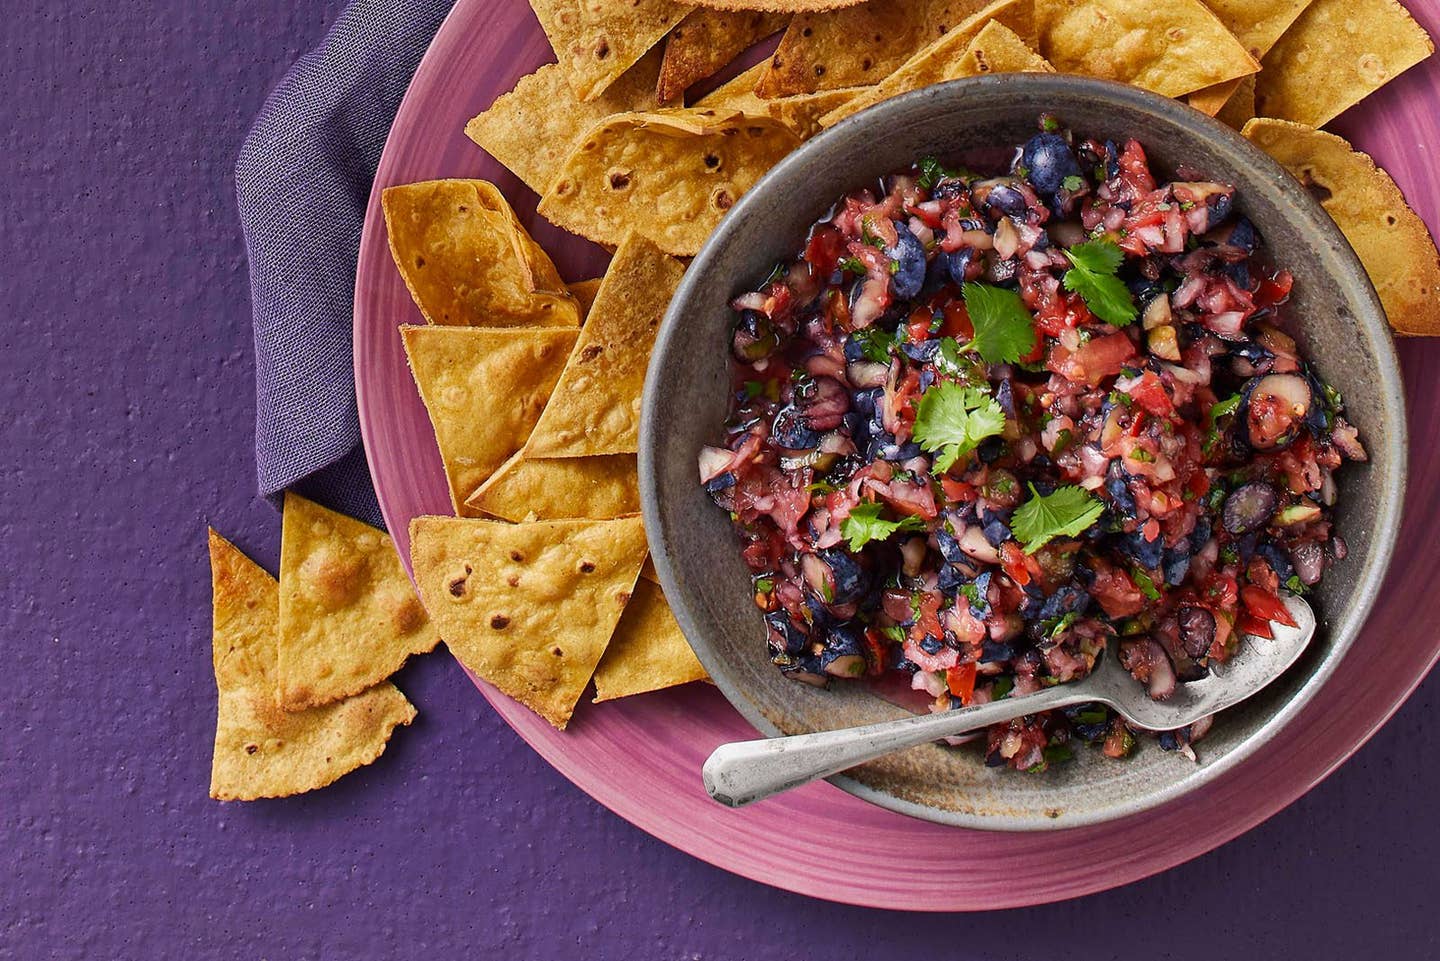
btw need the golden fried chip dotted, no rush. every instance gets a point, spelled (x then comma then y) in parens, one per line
(532, 129)
(648, 571)
(467, 260)
(859, 45)
(528, 607)
(584, 293)
(1338, 53)
(598, 40)
(785, 6)
(596, 405)
(1390, 238)
(555, 488)
(484, 390)
(260, 749)
(1171, 48)
(1209, 100)
(648, 651)
(705, 41)
(670, 176)
(348, 615)
(982, 44)
(1240, 108)
(737, 95)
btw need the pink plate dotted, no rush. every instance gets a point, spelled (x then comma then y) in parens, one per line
(641, 757)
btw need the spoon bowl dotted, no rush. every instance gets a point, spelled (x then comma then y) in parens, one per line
(746, 771)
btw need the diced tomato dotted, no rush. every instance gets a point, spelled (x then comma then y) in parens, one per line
(1221, 591)
(955, 490)
(918, 326)
(1150, 393)
(1274, 290)
(1250, 624)
(824, 249)
(1104, 356)
(1116, 591)
(961, 681)
(956, 322)
(877, 652)
(1012, 559)
(1264, 605)
(927, 616)
(1134, 168)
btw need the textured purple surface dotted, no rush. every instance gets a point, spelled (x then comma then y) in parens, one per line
(126, 425)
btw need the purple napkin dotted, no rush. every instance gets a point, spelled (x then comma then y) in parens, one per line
(302, 180)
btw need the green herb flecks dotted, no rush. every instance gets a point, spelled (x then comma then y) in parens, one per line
(1093, 265)
(1065, 513)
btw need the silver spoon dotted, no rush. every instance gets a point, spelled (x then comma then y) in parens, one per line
(747, 771)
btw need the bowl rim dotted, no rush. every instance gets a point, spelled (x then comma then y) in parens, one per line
(1312, 221)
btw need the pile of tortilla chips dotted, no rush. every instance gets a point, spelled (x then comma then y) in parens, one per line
(301, 664)
(533, 386)
(537, 427)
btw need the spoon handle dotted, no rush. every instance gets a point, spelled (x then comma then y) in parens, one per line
(746, 771)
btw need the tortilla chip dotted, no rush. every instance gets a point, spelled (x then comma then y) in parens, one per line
(348, 615)
(737, 95)
(532, 129)
(859, 45)
(1390, 238)
(584, 293)
(784, 6)
(596, 405)
(648, 571)
(982, 44)
(598, 40)
(670, 175)
(1257, 24)
(707, 40)
(648, 651)
(551, 489)
(260, 750)
(467, 260)
(1337, 54)
(528, 607)
(1240, 108)
(1171, 48)
(1209, 100)
(484, 390)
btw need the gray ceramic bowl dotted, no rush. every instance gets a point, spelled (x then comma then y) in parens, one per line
(1344, 331)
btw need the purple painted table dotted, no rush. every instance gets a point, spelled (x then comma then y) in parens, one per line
(125, 426)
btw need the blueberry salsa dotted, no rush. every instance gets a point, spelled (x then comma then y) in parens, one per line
(985, 428)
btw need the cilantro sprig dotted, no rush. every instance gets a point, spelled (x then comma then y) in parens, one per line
(1065, 513)
(951, 420)
(1004, 328)
(1093, 266)
(864, 524)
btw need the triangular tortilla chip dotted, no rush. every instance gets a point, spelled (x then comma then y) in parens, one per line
(1257, 24)
(784, 6)
(584, 292)
(1336, 54)
(598, 40)
(528, 607)
(1240, 108)
(648, 651)
(648, 571)
(948, 58)
(552, 489)
(705, 41)
(467, 260)
(532, 129)
(349, 616)
(1390, 238)
(859, 45)
(737, 95)
(1171, 48)
(260, 750)
(596, 405)
(669, 175)
(484, 390)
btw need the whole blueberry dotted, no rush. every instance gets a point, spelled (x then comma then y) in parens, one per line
(1049, 160)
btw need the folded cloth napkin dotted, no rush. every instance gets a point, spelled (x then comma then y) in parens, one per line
(302, 180)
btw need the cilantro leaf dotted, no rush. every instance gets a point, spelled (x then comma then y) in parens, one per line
(874, 343)
(851, 265)
(931, 172)
(1092, 275)
(1004, 329)
(1073, 182)
(951, 420)
(1065, 513)
(1145, 583)
(864, 524)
